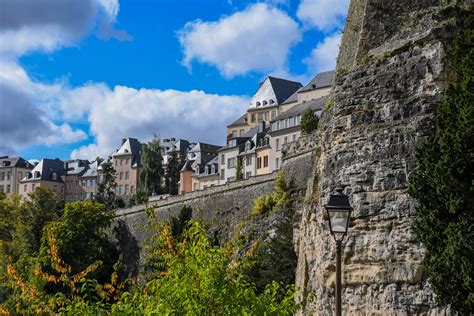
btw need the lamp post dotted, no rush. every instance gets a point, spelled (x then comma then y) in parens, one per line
(339, 213)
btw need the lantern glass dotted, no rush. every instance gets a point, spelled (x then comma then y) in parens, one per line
(339, 220)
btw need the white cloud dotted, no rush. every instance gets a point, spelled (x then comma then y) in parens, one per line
(324, 56)
(256, 39)
(128, 112)
(324, 15)
(32, 25)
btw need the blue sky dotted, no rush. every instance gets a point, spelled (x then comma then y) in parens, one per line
(95, 71)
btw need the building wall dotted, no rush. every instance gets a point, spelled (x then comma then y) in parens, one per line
(263, 155)
(79, 188)
(265, 115)
(128, 177)
(313, 94)
(28, 187)
(10, 178)
(185, 182)
(276, 143)
(236, 131)
(229, 171)
(203, 182)
(249, 165)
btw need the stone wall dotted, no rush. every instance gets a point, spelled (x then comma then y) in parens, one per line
(384, 99)
(222, 208)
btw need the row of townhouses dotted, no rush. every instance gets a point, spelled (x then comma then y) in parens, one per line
(253, 147)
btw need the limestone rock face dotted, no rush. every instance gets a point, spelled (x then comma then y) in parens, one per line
(392, 73)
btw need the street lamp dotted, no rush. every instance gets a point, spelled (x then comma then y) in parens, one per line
(339, 213)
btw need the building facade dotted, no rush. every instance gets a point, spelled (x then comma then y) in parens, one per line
(127, 164)
(48, 173)
(12, 171)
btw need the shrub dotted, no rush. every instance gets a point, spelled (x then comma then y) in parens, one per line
(309, 122)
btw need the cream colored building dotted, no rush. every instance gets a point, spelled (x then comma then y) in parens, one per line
(80, 179)
(12, 170)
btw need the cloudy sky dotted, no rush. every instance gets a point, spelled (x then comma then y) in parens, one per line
(76, 76)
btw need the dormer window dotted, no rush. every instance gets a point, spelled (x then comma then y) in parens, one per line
(265, 102)
(257, 104)
(271, 101)
(247, 146)
(54, 176)
(213, 169)
(37, 174)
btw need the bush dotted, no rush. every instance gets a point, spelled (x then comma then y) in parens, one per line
(278, 198)
(309, 122)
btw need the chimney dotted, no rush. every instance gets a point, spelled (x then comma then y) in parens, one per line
(261, 127)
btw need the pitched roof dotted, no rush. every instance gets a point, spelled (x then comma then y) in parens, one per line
(76, 167)
(173, 144)
(240, 121)
(321, 80)
(204, 148)
(16, 162)
(293, 97)
(283, 88)
(92, 170)
(315, 105)
(130, 146)
(44, 171)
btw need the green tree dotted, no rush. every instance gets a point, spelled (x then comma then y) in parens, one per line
(309, 121)
(172, 174)
(152, 172)
(239, 175)
(81, 238)
(443, 184)
(107, 184)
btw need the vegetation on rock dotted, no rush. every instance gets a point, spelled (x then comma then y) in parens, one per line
(279, 197)
(443, 185)
(309, 121)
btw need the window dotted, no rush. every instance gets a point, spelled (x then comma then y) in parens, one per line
(278, 125)
(277, 143)
(127, 175)
(33, 185)
(20, 175)
(121, 161)
(253, 117)
(25, 187)
(271, 101)
(260, 117)
(213, 169)
(265, 161)
(55, 188)
(277, 163)
(294, 137)
(285, 140)
(257, 104)
(241, 132)
(120, 190)
(248, 160)
(295, 121)
(126, 162)
(121, 175)
(274, 114)
(8, 188)
(247, 145)
(9, 174)
(222, 159)
(126, 189)
(267, 116)
(259, 162)
(132, 189)
(3, 175)
(222, 174)
(230, 163)
(62, 189)
(265, 102)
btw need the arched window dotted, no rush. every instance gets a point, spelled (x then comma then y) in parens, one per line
(54, 176)
(271, 101)
(257, 104)
(265, 102)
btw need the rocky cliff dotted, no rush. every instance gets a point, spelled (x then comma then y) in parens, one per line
(392, 73)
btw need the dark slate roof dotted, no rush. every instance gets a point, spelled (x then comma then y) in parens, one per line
(76, 167)
(173, 144)
(315, 105)
(188, 166)
(283, 88)
(16, 162)
(321, 80)
(293, 97)
(240, 121)
(44, 170)
(205, 148)
(92, 170)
